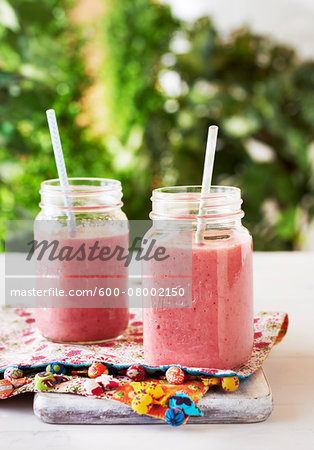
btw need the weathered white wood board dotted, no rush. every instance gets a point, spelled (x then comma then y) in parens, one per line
(251, 402)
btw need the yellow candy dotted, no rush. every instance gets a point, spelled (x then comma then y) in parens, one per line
(142, 403)
(230, 384)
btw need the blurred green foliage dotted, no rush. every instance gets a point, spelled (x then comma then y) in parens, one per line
(40, 68)
(257, 92)
(165, 82)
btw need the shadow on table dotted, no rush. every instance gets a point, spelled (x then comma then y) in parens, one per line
(20, 403)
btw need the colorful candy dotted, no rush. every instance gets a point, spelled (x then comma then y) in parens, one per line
(92, 388)
(175, 417)
(142, 403)
(44, 381)
(56, 367)
(230, 384)
(136, 372)
(97, 369)
(175, 375)
(11, 373)
(6, 388)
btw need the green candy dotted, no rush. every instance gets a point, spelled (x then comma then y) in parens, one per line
(44, 381)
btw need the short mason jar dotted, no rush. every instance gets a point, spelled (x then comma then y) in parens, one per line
(91, 216)
(216, 329)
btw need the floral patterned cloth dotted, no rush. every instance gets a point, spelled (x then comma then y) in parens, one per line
(22, 345)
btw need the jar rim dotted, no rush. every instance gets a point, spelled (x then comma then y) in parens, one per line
(180, 193)
(183, 202)
(75, 184)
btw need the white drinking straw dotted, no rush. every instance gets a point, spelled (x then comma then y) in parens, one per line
(62, 173)
(207, 180)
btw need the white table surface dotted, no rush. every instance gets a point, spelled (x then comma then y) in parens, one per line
(283, 282)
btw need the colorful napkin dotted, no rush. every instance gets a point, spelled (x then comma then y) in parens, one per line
(22, 345)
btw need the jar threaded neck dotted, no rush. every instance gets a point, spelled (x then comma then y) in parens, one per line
(223, 203)
(84, 193)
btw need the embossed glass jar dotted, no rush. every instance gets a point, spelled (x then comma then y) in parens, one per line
(216, 330)
(94, 217)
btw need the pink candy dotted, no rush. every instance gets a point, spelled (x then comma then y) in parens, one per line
(136, 372)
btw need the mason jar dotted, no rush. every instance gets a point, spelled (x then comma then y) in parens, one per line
(80, 306)
(214, 327)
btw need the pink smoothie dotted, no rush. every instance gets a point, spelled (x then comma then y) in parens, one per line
(217, 331)
(76, 322)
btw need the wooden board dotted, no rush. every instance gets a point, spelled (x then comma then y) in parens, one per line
(251, 402)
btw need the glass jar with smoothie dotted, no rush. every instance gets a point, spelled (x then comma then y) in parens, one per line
(94, 219)
(216, 330)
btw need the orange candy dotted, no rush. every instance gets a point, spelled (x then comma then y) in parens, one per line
(175, 375)
(97, 369)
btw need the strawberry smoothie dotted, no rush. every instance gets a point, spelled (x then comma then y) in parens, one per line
(217, 330)
(76, 317)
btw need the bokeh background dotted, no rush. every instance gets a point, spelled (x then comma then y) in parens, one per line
(135, 85)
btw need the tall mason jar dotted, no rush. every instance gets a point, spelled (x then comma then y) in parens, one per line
(216, 329)
(94, 220)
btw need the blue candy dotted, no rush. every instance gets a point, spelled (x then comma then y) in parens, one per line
(184, 402)
(56, 367)
(175, 417)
